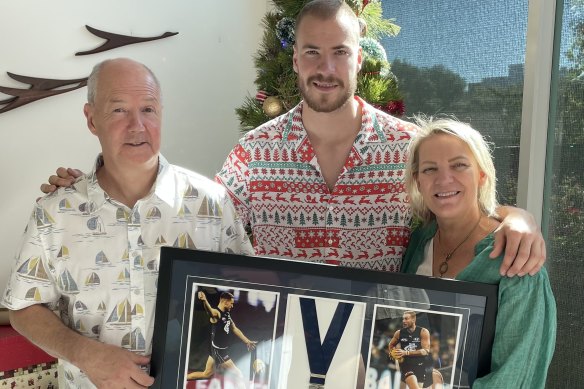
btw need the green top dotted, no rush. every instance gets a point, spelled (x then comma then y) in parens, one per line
(525, 331)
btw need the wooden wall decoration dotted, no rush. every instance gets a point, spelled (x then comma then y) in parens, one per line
(114, 41)
(41, 88)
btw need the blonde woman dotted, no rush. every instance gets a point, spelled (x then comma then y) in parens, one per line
(451, 183)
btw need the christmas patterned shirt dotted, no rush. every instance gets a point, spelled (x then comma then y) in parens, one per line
(276, 185)
(95, 261)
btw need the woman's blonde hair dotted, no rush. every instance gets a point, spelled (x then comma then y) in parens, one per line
(481, 150)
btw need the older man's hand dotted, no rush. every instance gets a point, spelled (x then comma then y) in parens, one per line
(112, 367)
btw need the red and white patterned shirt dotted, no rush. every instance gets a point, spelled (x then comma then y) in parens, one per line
(276, 185)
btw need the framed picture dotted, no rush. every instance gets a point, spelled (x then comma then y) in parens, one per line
(231, 321)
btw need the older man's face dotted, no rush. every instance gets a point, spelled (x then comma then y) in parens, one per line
(126, 116)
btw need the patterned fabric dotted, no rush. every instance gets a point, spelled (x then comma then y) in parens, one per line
(42, 376)
(95, 261)
(276, 185)
(525, 330)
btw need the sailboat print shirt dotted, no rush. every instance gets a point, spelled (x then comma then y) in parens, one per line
(95, 261)
(276, 184)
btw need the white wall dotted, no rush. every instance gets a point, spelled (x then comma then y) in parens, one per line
(205, 71)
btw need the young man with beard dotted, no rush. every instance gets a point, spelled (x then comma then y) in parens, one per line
(324, 181)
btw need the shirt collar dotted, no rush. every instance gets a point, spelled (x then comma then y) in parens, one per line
(164, 187)
(370, 131)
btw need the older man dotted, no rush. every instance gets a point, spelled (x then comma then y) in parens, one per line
(91, 251)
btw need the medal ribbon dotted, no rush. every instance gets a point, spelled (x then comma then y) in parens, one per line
(321, 355)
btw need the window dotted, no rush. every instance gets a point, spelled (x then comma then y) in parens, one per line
(467, 58)
(563, 216)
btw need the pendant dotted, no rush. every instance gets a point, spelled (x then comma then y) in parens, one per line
(443, 267)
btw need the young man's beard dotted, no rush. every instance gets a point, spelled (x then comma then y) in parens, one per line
(324, 103)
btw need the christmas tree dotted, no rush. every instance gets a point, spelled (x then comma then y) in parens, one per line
(276, 80)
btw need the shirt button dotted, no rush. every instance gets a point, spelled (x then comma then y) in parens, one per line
(330, 241)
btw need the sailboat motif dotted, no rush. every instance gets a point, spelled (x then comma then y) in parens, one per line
(65, 205)
(63, 253)
(69, 375)
(101, 307)
(8, 295)
(43, 219)
(160, 241)
(184, 241)
(138, 310)
(33, 294)
(125, 256)
(138, 261)
(101, 259)
(95, 329)
(33, 268)
(122, 215)
(210, 208)
(67, 283)
(140, 241)
(152, 265)
(92, 280)
(121, 314)
(134, 341)
(80, 306)
(87, 207)
(191, 192)
(124, 276)
(79, 326)
(153, 213)
(96, 225)
(184, 211)
(135, 218)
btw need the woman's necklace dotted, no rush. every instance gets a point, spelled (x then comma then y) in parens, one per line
(444, 265)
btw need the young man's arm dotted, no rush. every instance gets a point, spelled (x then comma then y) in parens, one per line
(521, 240)
(250, 344)
(106, 365)
(214, 314)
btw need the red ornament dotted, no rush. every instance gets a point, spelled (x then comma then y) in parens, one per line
(261, 96)
(394, 107)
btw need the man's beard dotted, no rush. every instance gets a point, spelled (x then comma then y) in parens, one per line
(324, 103)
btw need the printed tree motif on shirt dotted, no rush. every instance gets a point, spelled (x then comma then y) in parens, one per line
(329, 220)
(396, 157)
(384, 219)
(343, 220)
(302, 221)
(289, 219)
(315, 219)
(371, 220)
(276, 218)
(357, 221)
(378, 157)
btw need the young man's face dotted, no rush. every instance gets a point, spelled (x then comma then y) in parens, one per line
(327, 58)
(407, 320)
(228, 304)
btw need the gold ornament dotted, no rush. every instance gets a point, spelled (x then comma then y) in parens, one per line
(272, 106)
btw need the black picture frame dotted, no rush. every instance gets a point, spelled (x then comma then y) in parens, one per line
(268, 293)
